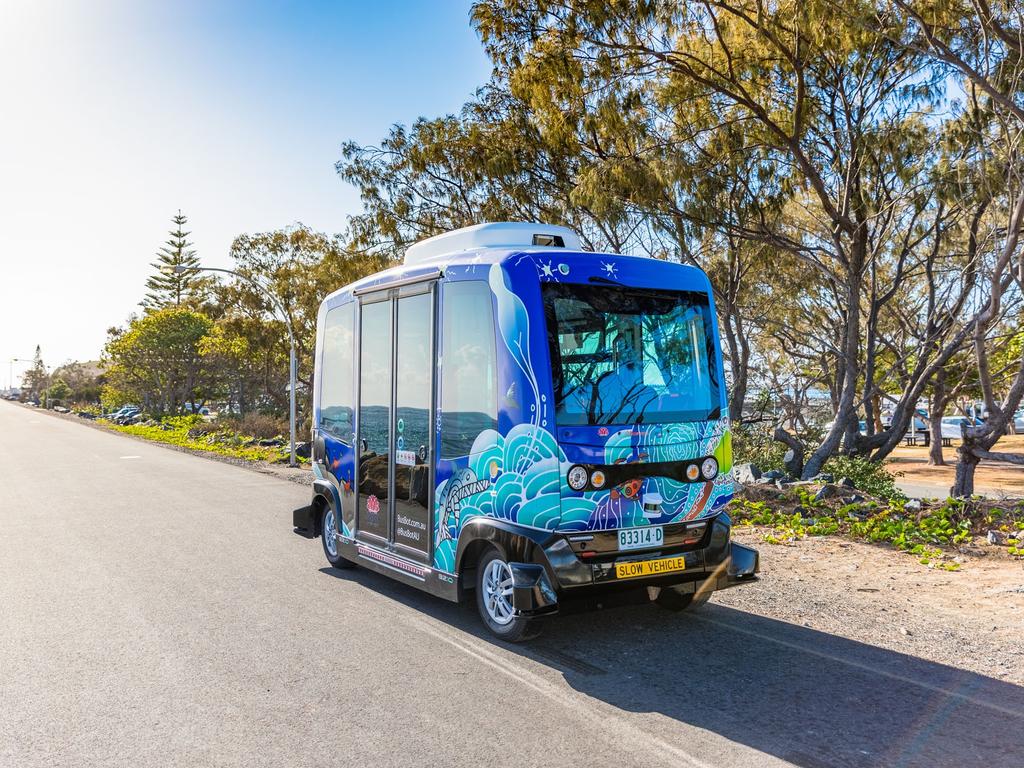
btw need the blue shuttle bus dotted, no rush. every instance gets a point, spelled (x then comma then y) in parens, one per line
(508, 418)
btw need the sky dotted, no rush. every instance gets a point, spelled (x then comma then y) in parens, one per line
(116, 114)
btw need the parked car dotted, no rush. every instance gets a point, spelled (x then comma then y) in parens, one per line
(951, 426)
(124, 415)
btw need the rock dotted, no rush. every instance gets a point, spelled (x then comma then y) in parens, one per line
(747, 474)
(773, 474)
(996, 537)
(825, 492)
(303, 450)
(271, 442)
(847, 482)
(913, 505)
(905, 631)
(824, 477)
(137, 419)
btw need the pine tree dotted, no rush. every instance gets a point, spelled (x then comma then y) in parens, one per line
(169, 289)
(35, 379)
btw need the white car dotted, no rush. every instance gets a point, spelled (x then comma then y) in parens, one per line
(951, 426)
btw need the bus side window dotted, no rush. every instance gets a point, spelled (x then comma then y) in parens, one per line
(336, 372)
(469, 369)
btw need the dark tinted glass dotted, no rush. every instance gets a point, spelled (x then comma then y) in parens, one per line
(626, 355)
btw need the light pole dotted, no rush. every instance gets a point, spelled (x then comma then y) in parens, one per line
(179, 270)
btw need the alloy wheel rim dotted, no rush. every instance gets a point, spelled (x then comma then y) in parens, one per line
(329, 540)
(497, 586)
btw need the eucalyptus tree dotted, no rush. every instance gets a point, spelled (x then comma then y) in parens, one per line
(981, 44)
(825, 122)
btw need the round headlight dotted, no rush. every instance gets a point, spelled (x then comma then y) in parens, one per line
(597, 478)
(709, 468)
(692, 472)
(577, 478)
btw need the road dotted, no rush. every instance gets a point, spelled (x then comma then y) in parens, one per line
(157, 610)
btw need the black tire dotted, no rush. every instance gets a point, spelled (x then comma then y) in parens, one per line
(337, 560)
(674, 601)
(517, 628)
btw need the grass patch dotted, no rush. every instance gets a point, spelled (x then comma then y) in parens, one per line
(189, 432)
(931, 533)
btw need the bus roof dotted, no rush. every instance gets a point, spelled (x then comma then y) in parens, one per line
(486, 244)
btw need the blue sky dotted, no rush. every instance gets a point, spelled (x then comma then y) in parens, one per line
(116, 114)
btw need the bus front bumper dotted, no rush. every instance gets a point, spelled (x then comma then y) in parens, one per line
(567, 579)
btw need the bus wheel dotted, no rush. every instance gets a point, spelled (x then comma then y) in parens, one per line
(330, 542)
(671, 600)
(494, 601)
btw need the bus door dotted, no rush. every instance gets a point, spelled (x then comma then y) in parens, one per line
(396, 411)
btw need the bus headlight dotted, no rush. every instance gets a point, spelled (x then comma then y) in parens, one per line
(709, 468)
(597, 478)
(577, 478)
(692, 472)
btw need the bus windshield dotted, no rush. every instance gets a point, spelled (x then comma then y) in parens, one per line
(624, 355)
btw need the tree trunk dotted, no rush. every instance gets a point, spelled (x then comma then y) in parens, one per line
(851, 347)
(794, 461)
(938, 407)
(963, 483)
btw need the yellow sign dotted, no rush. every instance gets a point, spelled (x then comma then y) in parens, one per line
(649, 567)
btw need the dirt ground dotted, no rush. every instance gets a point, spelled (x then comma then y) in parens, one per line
(991, 476)
(973, 618)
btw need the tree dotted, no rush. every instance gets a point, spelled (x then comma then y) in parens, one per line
(983, 44)
(805, 127)
(35, 379)
(299, 267)
(158, 360)
(167, 288)
(58, 392)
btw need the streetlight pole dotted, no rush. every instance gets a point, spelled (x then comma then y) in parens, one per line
(179, 269)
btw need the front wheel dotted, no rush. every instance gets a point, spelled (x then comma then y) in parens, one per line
(328, 528)
(494, 585)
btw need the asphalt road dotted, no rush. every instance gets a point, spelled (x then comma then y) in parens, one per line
(156, 609)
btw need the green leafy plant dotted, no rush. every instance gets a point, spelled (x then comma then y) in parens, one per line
(869, 476)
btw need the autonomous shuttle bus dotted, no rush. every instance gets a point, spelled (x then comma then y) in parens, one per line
(508, 418)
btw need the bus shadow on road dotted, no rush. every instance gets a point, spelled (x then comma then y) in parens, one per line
(812, 698)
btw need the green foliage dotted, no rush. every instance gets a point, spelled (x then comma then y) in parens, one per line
(753, 443)
(167, 288)
(158, 360)
(923, 535)
(182, 431)
(869, 476)
(59, 391)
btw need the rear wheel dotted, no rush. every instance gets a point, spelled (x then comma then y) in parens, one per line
(494, 601)
(328, 528)
(671, 600)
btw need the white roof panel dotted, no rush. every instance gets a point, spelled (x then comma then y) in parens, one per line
(505, 234)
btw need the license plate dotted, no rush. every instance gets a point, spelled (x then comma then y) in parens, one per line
(641, 538)
(649, 567)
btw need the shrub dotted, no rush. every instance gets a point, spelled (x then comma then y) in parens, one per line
(753, 443)
(258, 425)
(869, 476)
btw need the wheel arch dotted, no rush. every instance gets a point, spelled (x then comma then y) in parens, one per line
(513, 542)
(323, 496)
